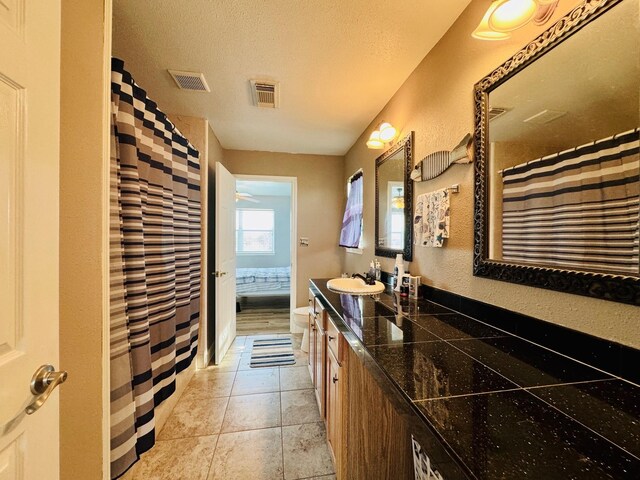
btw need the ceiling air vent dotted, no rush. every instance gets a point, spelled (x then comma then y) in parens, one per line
(265, 94)
(544, 117)
(193, 81)
(495, 112)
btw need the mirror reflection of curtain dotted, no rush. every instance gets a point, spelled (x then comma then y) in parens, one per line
(577, 208)
(352, 219)
(154, 264)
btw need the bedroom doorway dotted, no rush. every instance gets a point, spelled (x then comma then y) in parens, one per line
(265, 254)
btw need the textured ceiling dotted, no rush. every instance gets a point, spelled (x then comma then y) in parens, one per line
(338, 62)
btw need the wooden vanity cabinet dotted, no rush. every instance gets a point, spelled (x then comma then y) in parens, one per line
(311, 326)
(335, 394)
(327, 367)
(318, 355)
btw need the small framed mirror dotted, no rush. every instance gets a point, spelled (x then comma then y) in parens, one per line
(557, 148)
(394, 200)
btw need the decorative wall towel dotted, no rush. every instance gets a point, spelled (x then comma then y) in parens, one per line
(577, 208)
(154, 264)
(431, 220)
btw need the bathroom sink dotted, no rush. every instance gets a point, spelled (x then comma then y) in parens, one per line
(354, 286)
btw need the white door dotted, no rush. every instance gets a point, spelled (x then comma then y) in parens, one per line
(29, 157)
(225, 273)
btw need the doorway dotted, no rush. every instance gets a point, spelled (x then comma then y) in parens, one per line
(265, 254)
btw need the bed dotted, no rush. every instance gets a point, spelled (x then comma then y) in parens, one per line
(263, 281)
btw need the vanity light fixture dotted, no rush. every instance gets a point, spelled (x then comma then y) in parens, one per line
(384, 134)
(374, 142)
(505, 16)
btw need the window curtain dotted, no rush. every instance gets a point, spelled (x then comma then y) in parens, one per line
(352, 219)
(577, 208)
(154, 264)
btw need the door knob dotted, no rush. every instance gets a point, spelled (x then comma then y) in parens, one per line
(43, 383)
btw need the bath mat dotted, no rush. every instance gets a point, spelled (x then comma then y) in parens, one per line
(272, 352)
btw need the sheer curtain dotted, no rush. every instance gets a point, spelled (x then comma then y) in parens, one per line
(352, 220)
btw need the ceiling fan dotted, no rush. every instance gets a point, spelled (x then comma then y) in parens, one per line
(246, 197)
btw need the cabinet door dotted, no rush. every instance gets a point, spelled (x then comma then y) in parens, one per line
(312, 346)
(319, 363)
(334, 406)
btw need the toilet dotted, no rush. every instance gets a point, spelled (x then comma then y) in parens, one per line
(301, 319)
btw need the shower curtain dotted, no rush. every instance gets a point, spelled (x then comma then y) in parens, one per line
(577, 208)
(154, 264)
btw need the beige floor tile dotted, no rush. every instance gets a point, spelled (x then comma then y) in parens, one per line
(238, 346)
(256, 380)
(250, 412)
(295, 378)
(229, 363)
(211, 383)
(299, 406)
(323, 477)
(245, 362)
(302, 359)
(249, 455)
(306, 453)
(195, 415)
(185, 459)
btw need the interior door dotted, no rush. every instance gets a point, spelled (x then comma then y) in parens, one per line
(225, 253)
(29, 217)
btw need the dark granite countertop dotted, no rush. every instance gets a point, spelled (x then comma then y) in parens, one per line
(501, 406)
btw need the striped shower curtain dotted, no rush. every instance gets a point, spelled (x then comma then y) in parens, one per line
(576, 209)
(154, 264)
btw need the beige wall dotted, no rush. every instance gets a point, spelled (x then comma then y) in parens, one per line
(321, 197)
(83, 237)
(436, 102)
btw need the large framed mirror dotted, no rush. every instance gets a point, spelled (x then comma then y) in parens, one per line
(394, 200)
(557, 172)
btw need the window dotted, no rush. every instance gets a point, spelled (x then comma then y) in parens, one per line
(351, 233)
(254, 231)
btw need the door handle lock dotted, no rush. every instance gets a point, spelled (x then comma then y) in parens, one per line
(219, 274)
(43, 383)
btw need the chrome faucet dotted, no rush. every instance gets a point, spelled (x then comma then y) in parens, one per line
(366, 278)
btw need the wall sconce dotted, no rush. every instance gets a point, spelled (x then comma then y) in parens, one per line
(384, 134)
(505, 16)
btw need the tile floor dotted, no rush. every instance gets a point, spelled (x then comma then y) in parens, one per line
(236, 422)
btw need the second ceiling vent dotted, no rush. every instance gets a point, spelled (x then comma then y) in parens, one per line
(265, 93)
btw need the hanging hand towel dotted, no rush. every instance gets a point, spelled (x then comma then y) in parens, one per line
(431, 221)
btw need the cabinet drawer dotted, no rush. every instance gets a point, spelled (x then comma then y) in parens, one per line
(312, 301)
(334, 340)
(320, 315)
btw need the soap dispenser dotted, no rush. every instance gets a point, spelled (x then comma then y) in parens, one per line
(378, 270)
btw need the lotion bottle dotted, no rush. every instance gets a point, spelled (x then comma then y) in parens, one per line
(398, 272)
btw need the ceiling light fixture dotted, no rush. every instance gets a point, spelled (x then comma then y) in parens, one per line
(505, 16)
(382, 135)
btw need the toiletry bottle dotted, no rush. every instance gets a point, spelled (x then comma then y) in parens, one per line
(399, 271)
(372, 270)
(378, 270)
